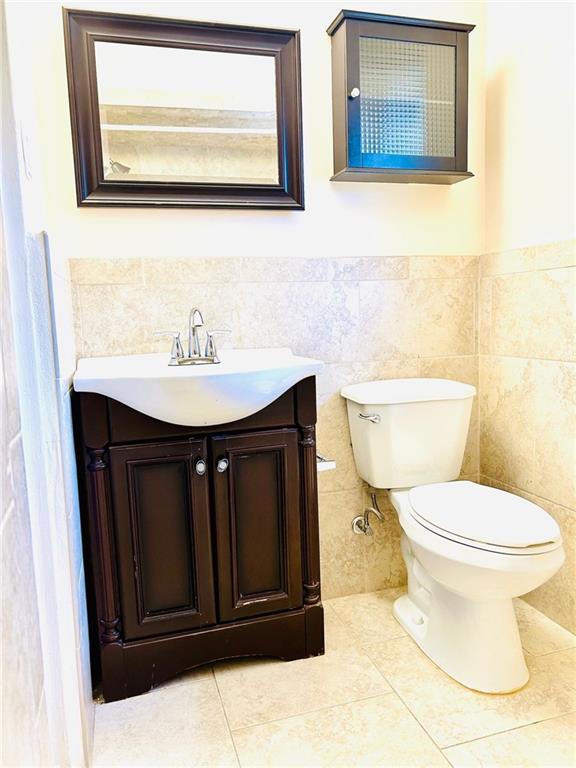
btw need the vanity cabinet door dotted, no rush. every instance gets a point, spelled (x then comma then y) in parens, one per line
(257, 509)
(162, 526)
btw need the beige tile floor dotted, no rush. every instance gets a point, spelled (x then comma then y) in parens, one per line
(373, 699)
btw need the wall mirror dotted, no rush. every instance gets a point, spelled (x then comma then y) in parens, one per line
(177, 113)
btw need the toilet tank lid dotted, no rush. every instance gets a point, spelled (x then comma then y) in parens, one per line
(483, 514)
(394, 391)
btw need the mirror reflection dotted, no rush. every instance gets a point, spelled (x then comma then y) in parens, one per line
(186, 115)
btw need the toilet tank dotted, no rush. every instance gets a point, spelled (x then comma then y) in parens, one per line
(408, 432)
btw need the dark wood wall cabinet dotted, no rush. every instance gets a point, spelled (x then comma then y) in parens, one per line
(399, 99)
(202, 543)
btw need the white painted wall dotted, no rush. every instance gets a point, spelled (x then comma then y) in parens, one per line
(530, 124)
(340, 219)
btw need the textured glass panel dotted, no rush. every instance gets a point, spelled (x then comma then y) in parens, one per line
(407, 97)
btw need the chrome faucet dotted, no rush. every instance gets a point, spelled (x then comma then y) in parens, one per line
(194, 356)
(195, 321)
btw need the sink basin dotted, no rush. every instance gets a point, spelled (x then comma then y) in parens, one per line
(244, 382)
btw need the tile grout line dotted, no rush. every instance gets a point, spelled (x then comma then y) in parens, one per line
(478, 738)
(413, 715)
(316, 709)
(365, 653)
(508, 730)
(312, 711)
(549, 653)
(226, 716)
(521, 491)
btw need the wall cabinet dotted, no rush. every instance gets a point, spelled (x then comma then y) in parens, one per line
(203, 544)
(399, 99)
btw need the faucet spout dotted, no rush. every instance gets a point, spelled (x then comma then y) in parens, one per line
(195, 321)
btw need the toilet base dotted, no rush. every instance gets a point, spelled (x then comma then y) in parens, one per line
(475, 642)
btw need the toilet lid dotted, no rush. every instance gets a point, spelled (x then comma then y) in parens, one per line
(484, 515)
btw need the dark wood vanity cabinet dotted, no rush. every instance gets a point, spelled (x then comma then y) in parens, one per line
(202, 542)
(399, 99)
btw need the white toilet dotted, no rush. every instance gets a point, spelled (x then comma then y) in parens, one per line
(469, 549)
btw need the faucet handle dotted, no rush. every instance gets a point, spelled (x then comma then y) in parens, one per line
(211, 350)
(177, 352)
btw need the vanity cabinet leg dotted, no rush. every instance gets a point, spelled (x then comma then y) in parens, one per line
(311, 544)
(310, 538)
(104, 560)
(314, 630)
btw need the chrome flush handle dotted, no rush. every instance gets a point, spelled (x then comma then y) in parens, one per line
(375, 418)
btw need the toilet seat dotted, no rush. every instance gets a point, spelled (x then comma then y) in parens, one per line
(485, 518)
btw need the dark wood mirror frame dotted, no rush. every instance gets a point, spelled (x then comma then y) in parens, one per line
(83, 28)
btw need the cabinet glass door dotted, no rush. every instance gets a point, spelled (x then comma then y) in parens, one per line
(406, 98)
(402, 98)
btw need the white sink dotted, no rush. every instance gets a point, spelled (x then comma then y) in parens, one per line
(246, 381)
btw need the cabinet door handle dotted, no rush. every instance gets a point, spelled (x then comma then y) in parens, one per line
(354, 93)
(200, 467)
(222, 465)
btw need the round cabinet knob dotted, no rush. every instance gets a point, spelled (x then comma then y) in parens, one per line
(200, 467)
(354, 93)
(222, 465)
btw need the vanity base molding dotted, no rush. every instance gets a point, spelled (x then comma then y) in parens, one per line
(201, 544)
(133, 668)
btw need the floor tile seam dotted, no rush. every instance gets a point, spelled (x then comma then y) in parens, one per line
(508, 730)
(560, 650)
(514, 728)
(358, 594)
(387, 639)
(361, 649)
(222, 706)
(413, 714)
(311, 711)
(536, 655)
(440, 746)
(415, 718)
(339, 619)
(362, 645)
(362, 652)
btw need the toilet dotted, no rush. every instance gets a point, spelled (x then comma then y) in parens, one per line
(468, 548)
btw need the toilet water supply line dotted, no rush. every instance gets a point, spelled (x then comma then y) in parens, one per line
(361, 523)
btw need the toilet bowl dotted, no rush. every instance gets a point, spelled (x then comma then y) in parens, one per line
(469, 549)
(460, 587)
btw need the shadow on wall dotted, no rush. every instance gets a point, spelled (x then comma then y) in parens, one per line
(497, 88)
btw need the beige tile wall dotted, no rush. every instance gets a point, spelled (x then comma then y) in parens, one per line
(384, 317)
(365, 317)
(527, 373)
